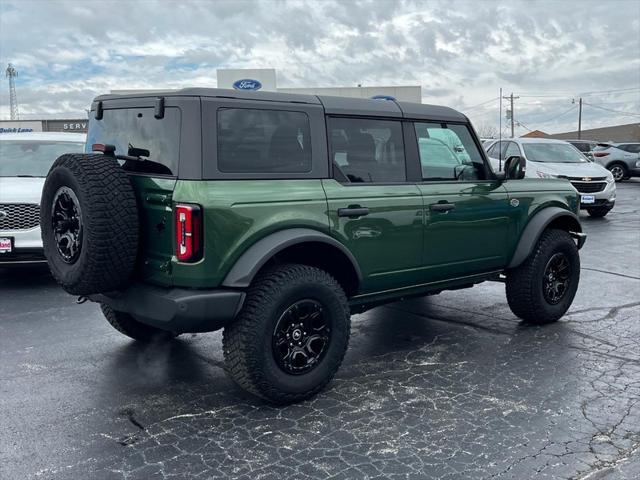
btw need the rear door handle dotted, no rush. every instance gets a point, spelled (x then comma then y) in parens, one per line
(353, 212)
(442, 207)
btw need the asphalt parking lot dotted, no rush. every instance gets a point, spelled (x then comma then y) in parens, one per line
(447, 387)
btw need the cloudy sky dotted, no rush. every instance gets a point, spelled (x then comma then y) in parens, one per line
(461, 53)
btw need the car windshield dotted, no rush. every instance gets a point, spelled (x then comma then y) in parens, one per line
(31, 158)
(553, 153)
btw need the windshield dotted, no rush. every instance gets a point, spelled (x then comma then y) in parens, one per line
(30, 158)
(553, 153)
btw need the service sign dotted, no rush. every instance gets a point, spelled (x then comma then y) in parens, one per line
(247, 84)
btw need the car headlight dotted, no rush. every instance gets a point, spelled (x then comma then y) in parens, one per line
(638, 164)
(545, 175)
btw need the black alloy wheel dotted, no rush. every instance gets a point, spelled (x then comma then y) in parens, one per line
(556, 278)
(67, 224)
(301, 336)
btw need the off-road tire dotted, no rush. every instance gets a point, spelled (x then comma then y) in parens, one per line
(109, 245)
(129, 326)
(524, 284)
(247, 341)
(598, 212)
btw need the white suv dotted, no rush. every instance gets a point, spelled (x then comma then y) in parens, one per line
(25, 159)
(547, 158)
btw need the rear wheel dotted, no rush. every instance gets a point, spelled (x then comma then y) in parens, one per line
(598, 212)
(619, 171)
(542, 289)
(291, 335)
(129, 326)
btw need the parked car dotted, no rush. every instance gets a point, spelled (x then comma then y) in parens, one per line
(548, 158)
(621, 159)
(25, 159)
(275, 216)
(585, 146)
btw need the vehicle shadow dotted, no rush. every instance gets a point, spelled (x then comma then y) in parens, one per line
(25, 276)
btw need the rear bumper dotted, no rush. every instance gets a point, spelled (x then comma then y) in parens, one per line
(176, 309)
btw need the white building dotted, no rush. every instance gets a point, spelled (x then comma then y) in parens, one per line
(265, 79)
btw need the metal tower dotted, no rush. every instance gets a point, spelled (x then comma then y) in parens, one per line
(13, 99)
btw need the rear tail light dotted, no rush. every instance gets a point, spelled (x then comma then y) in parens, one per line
(600, 154)
(188, 232)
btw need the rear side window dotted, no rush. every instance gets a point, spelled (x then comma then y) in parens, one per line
(497, 150)
(448, 152)
(137, 127)
(263, 141)
(367, 151)
(512, 150)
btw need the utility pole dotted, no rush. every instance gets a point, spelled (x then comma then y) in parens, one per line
(511, 98)
(580, 119)
(11, 73)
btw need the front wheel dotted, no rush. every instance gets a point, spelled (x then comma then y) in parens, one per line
(290, 337)
(542, 289)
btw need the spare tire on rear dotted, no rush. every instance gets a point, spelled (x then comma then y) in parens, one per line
(89, 223)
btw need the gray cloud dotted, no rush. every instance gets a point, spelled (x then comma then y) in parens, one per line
(461, 52)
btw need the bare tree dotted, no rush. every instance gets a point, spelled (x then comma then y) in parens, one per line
(486, 130)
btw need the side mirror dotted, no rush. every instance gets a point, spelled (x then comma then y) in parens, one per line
(514, 168)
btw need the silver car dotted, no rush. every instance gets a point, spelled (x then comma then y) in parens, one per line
(621, 159)
(25, 159)
(547, 158)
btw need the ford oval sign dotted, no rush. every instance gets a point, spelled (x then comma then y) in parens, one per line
(383, 97)
(247, 84)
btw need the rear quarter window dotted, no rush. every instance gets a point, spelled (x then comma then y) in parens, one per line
(263, 141)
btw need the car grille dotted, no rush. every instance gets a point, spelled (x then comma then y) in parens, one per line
(19, 216)
(588, 186)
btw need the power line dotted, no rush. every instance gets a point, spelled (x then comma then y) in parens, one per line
(481, 104)
(611, 110)
(573, 107)
(609, 91)
(520, 124)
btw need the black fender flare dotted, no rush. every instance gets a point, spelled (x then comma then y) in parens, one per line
(254, 258)
(535, 227)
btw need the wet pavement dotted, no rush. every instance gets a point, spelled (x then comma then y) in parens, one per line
(448, 387)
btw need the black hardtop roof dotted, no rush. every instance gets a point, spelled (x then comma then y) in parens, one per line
(331, 104)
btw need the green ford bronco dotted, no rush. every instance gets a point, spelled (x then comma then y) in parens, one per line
(276, 216)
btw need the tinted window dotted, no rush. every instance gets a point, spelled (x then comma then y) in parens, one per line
(512, 149)
(137, 127)
(630, 147)
(448, 152)
(263, 141)
(498, 150)
(494, 150)
(367, 150)
(32, 158)
(634, 148)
